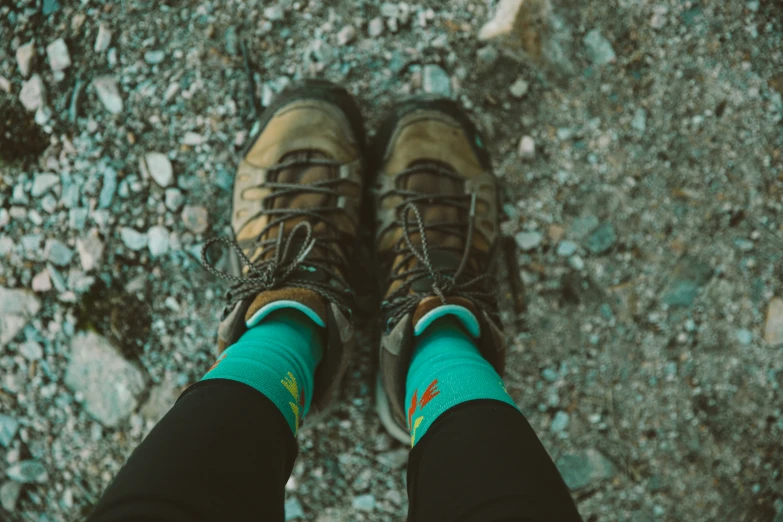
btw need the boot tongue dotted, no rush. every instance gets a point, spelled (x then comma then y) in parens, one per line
(441, 260)
(306, 301)
(300, 174)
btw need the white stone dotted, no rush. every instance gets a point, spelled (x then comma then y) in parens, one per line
(154, 57)
(639, 121)
(375, 28)
(43, 115)
(364, 503)
(196, 219)
(24, 58)
(174, 199)
(528, 240)
(274, 12)
(519, 88)
(773, 330)
(193, 139)
(527, 148)
(599, 49)
(110, 384)
(90, 248)
(43, 183)
(31, 350)
(32, 93)
(58, 252)
(27, 472)
(158, 240)
(158, 167)
(103, 39)
(57, 51)
(5, 84)
(502, 21)
(109, 94)
(9, 495)
(435, 80)
(576, 262)
(17, 307)
(346, 35)
(133, 239)
(567, 248)
(42, 282)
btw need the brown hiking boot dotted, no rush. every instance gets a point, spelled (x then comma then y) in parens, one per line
(295, 216)
(436, 237)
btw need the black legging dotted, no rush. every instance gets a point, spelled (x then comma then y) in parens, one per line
(224, 453)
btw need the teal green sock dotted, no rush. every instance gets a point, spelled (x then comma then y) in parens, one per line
(447, 369)
(277, 356)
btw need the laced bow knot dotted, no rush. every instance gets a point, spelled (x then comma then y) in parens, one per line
(270, 273)
(444, 282)
(281, 257)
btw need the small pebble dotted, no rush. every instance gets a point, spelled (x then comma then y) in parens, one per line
(346, 35)
(32, 93)
(158, 167)
(133, 239)
(41, 282)
(158, 240)
(108, 93)
(8, 429)
(154, 57)
(57, 252)
(602, 239)
(43, 183)
(560, 422)
(31, 350)
(519, 88)
(77, 218)
(487, 56)
(528, 240)
(527, 148)
(375, 28)
(25, 55)
(195, 219)
(293, 509)
(9, 495)
(549, 374)
(274, 13)
(103, 39)
(639, 121)
(436, 80)
(174, 199)
(599, 49)
(27, 471)
(364, 503)
(59, 59)
(576, 262)
(567, 248)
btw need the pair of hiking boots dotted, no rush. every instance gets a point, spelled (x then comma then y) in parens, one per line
(297, 210)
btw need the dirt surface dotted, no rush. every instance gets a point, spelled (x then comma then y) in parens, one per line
(642, 215)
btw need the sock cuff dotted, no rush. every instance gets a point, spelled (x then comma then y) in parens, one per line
(463, 315)
(282, 305)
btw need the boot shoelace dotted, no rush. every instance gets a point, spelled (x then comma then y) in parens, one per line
(462, 282)
(280, 269)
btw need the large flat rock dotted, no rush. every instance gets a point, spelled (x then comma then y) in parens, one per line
(17, 307)
(110, 384)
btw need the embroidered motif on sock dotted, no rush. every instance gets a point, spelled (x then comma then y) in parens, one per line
(219, 360)
(299, 399)
(430, 393)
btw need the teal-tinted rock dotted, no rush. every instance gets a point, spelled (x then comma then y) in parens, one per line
(584, 469)
(602, 239)
(688, 278)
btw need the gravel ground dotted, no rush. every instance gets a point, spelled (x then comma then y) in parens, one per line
(640, 148)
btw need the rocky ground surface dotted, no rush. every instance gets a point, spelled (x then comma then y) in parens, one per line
(640, 148)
